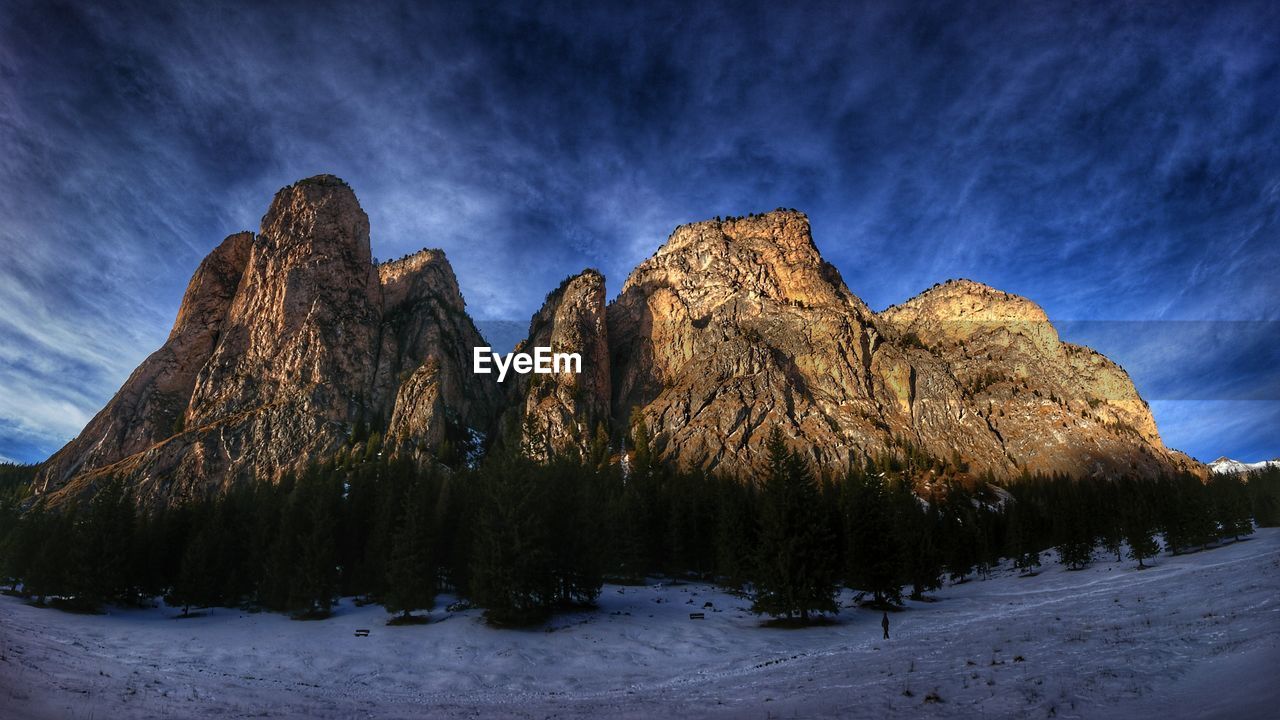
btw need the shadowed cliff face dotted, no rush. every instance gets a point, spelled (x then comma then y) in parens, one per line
(287, 339)
(424, 380)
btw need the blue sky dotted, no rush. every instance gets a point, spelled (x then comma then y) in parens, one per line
(1118, 163)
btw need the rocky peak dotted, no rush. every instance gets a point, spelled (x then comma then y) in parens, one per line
(734, 327)
(957, 310)
(770, 256)
(552, 413)
(968, 299)
(212, 287)
(303, 323)
(1053, 406)
(424, 384)
(425, 272)
(728, 330)
(281, 345)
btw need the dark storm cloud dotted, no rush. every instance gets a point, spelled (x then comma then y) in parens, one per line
(1113, 162)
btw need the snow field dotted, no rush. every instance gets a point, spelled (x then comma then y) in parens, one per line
(1195, 636)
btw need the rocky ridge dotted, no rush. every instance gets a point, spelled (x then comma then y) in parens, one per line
(288, 339)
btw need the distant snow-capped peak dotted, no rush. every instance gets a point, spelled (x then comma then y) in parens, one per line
(1227, 466)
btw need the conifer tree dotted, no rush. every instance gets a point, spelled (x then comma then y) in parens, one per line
(411, 581)
(960, 532)
(1022, 548)
(598, 451)
(1072, 527)
(196, 585)
(511, 575)
(795, 571)
(50, 571)
(735, 536)
(575, 529)
(917, 530)
(99, 554)
(1142, 543)
(1231, 506)
(1139, 522)
(873, 560)
(1108, 513)
(303, 564)
(1264, 496)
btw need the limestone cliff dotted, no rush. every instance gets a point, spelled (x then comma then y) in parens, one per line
(551, 414)
(424, 381)
(735, 327)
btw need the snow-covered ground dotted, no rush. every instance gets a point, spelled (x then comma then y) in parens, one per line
(1194, 636)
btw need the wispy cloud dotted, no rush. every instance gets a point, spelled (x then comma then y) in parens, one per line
(1112, 162)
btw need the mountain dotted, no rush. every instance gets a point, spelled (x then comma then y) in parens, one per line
(285, 341)
(1049, 406)
(291, 339)
(1227, 466)
(736, 326)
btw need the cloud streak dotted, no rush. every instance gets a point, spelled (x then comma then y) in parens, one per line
(1111, 162)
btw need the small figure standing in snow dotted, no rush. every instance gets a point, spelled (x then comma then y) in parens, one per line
(884, 623)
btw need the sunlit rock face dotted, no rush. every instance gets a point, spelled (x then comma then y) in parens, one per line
(735, 327)
(561, 411)
(1052, 406)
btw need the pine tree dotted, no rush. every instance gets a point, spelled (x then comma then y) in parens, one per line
(598, 452)
(1139, 523)
(411, 580)
(51, 569)
(196, 585)
(1264, 496)
(1074, 536)
(796, 572)
(1022, 548)
(575, 529)
(641, 443)
(1231, 506)
(1107, 512)
(99, 557)
(303, 563)
(873, 558)
(1188, 519)
(918, 529)
(960, 533)
(511, 575)
(735, 534)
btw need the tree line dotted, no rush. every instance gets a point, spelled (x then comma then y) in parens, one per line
(523, 539)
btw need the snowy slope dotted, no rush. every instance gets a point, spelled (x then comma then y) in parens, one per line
(1225, 465)
(1195, 636)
